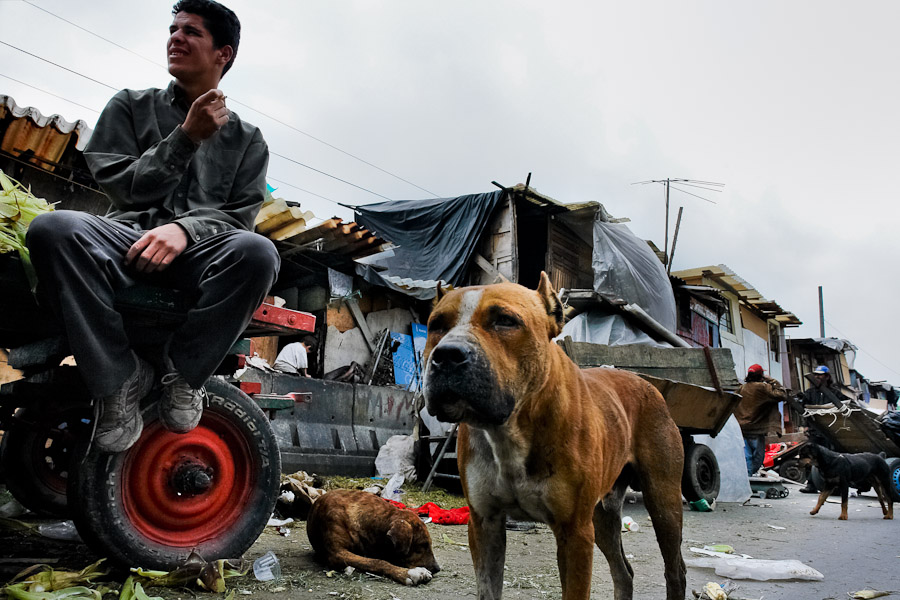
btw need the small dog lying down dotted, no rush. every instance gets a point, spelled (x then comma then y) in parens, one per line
(842, 471)
(360, 530)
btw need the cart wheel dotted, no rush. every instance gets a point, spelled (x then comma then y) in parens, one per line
(701, 479)
(791, 469)
(212, 489)
(894, 467)
(815, 475)
(35, 455)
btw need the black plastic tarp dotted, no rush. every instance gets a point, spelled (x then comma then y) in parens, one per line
(435, 238)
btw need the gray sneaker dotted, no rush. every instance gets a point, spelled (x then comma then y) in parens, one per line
(119, 422)
(180, 406)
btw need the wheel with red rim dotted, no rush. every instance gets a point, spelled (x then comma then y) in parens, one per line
(35, 455)
(211, 490)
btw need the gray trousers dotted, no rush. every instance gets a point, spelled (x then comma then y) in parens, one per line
(80, 262)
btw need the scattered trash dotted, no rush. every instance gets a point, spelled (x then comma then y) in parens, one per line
(297, 495)
(778, 527)
(349, 571)
(714, 591)
(629, 524)
(738, 567)
(273, 522)
(865, 594)
(61, 530)
(397, 456)
(284, 531)
(392, 490)
(267, 567)
(724, 548)
(701, 505)
(446, 539)
(12, 509)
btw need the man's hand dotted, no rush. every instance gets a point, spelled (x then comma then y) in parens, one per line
(206, 116)
(157, 248)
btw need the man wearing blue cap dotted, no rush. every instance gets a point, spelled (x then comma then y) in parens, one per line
(823, 392)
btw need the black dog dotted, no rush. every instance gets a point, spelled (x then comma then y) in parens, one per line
(841, 471)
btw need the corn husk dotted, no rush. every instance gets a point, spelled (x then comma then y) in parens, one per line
(18, 591)
(133, 590)
(18, 207)
(43, 578)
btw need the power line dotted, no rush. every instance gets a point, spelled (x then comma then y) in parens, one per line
(49, 93)
(297, 162)
(52, 14)
(861, 350)
(302, 189)
(279, 121)
(270, 152)
(60, 66)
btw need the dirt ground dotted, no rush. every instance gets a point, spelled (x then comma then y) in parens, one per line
(853, 555)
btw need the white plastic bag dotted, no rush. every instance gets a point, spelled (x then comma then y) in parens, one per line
(392, 490)
(397, 456)
(738, 567)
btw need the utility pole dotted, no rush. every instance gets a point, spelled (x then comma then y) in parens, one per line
(666, 242)
(709, 186)
(821, 314)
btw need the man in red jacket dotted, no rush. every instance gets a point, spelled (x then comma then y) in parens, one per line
(758, 414)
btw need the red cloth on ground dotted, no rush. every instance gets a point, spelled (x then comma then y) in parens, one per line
(452, 516)
(441, 516)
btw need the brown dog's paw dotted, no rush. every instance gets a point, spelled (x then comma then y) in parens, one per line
(813, 512)
(418, 575)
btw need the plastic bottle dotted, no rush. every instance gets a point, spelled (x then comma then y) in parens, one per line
(629, 524)
(267, 567)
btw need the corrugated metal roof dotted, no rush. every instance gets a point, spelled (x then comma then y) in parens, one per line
(290, 226)
(746, 292)
(42, 139)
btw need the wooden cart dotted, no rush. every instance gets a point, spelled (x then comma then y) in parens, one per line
(699, 385)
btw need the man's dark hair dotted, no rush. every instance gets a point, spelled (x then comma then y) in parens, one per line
(219, 20)
(753, 376)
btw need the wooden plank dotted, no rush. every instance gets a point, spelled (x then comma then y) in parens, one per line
(489, 268)
(361, 322)
(694, 408)
(679, 364)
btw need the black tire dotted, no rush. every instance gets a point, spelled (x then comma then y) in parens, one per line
(894, 468)
(35, 455)
(815, 475)
(791, 469)
(211, 490)
(701, 479)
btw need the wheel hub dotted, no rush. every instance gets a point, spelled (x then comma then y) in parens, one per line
(191, 478)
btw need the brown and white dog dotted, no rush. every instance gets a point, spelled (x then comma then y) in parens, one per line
(353, 528)
(542, 440)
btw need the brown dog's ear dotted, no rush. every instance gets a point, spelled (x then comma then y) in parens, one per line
(401, 535)
(439, 293)
(552, 304)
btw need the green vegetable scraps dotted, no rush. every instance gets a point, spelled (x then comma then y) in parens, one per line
(18, 206)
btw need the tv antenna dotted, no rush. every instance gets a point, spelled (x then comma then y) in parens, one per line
(679, 185)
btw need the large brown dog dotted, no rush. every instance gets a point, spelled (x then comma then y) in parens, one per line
(360, 530)
(542, 440)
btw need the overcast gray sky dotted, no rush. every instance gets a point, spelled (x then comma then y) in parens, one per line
(792, 105)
